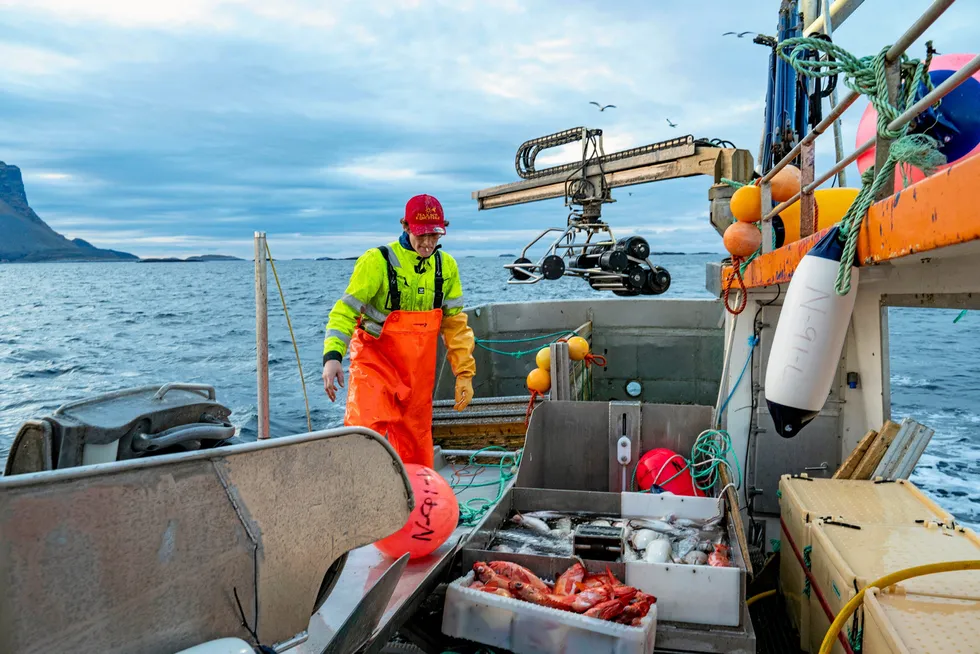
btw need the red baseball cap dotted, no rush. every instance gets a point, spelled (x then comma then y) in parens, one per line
(423, 213)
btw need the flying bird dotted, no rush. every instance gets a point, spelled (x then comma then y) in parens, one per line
(738, 34)
(603, 108)
(671, 124)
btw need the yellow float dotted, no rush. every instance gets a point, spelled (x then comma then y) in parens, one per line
(543, 358)
(832, 204)
(578, 347)
(539, 380)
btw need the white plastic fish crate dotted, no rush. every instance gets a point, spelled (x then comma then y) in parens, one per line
(526, 628)
(700, 594)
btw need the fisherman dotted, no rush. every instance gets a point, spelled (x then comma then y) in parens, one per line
(400, 298)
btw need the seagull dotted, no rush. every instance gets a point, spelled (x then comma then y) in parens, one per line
(738, 34)
(603, 108)
(671, 124)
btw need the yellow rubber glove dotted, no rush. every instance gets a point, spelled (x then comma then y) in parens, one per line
(464, 392)
(460, 341)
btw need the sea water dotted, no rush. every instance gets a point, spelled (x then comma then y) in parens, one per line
(74, 330)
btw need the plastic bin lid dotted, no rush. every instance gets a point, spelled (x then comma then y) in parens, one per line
(876, 550)
(865, 502)
(926, 624)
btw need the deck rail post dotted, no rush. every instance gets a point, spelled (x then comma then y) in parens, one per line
(262, 334)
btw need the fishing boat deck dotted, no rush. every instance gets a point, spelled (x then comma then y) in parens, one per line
(367, 564)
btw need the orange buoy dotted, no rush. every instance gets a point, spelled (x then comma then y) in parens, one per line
(746, 204)
(578, 347)
(543, 358)
(432, 521)
(539, 380)
(742, 239)
(785, 184)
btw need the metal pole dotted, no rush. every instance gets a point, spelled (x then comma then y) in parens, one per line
(840, 10)
(918, 29)
(838, 137)
(262, 335)
(810, 10)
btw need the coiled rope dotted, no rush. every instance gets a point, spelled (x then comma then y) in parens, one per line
(473, 510)
(710, 451)
(867, 76)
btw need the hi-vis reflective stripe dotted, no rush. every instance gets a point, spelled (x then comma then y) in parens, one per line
(393, 259)
(363, 308)
(336, 333)
(371, 327)
(455, 303)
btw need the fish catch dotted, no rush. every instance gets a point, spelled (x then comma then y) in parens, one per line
(536, 525)
(597, 595)
(686, 541)
(515, 572)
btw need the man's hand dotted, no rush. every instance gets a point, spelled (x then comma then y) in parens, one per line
(464, 392)
(333, 371)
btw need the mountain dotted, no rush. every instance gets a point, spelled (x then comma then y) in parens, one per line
(24, 237)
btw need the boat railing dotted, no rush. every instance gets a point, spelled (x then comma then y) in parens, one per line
(805, 149)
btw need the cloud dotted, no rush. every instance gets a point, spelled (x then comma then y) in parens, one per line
(161, 127)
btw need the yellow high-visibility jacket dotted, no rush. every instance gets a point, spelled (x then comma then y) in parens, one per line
(367, 295)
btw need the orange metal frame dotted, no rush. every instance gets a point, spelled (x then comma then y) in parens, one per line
(937, 212)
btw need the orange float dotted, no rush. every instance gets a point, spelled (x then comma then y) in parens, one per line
(746, 204)
(578, 348)
(539, 380)
(742, 239)
(431, 522)
(785, 184)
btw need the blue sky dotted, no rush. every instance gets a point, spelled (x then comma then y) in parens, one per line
(179, 127)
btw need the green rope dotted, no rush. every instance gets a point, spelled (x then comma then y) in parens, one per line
(711, 448)
(960, 316)
(733, 183)
(473, 510)
(556, 336)
(774, 544)
(867, 76)
(806, 562)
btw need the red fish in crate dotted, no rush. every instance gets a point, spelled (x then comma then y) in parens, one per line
(588, 598)
(488, 577)
(606, 610)
(531, 594)
(719, 558)
(637, 610)
(503, 592)
(569, 579)
(515, 572)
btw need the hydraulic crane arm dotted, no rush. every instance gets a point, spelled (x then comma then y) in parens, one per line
(672, 159)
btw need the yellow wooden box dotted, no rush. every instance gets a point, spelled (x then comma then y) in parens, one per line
(919, 624)
(803, 499)
(845, 560)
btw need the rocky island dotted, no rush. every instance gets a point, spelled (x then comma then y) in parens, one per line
(25, 238)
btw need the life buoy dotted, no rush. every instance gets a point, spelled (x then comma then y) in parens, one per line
(809, 338)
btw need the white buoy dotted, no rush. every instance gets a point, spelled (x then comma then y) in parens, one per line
(809, 338)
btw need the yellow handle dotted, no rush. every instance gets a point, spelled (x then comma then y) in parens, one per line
(885, 582)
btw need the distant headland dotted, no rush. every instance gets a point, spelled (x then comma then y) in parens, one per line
(197, 258)
(24, 237)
